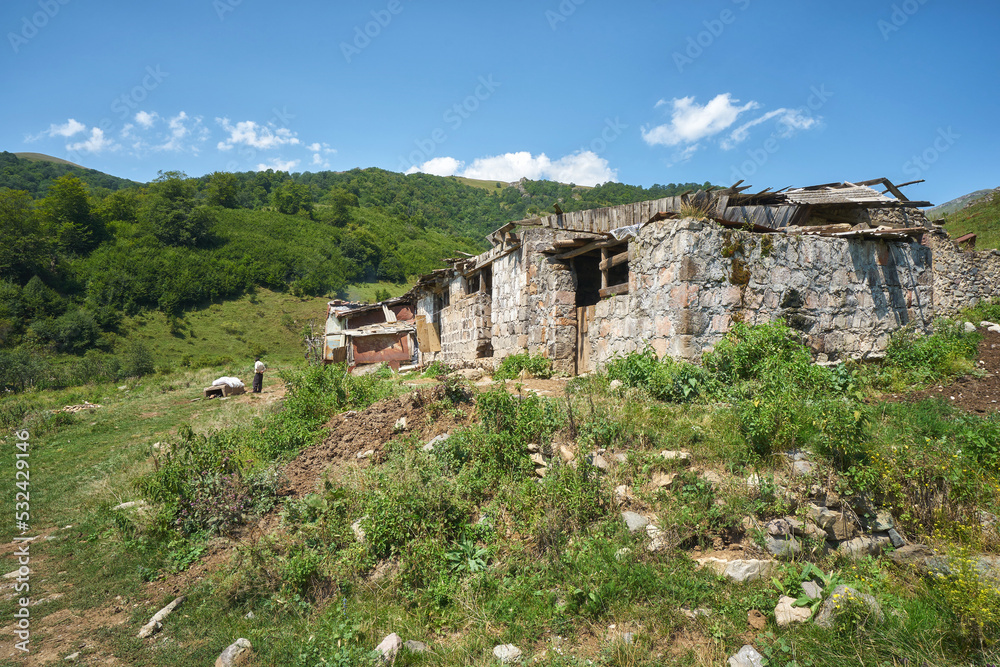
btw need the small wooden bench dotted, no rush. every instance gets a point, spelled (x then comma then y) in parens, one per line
(223, 390)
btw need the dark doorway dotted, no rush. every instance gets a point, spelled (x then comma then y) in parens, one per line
(588, 280)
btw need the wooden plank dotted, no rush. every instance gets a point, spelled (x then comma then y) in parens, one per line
(604, 270)
(620, 258)
(590, 246)
(614, 290)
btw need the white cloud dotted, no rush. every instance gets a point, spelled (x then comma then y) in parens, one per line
(789, 122)
(67, 129)
(97, 143)
(186, 132)
(261, 137)
(439, 166)
(313, 147)
(319, 150)
(691, 122)
(146, 119)
(278, 165)
(583, 168)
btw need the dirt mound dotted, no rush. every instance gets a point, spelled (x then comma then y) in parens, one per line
(978, 395)
(356, 432)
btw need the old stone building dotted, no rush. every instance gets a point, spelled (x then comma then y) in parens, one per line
(842, 263)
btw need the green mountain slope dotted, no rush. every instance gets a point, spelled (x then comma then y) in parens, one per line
(35, 172)
(956, 204)
(981, 219)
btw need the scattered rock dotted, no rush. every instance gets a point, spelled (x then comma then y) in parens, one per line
(507, 654)
(623, 493)
(713, 478)
(533, 448)
(671, 455)
(359, 532)
(785, 613)
(138, 504)
(413, 646)
(984, 323)
(250, 615)
(739, 570)
(599, 462)
(663, 480)
(756, 619)
(783, 547)
(635, 522)
(538, 460)
(389, 647)
(840, 600)
(237, 653)
(896, 539)
(753, 482)
(882, 522)
(470, 374)
(970, 327)
(779, 527)
(747, 657)
(620, 457)
(628, 638)
(695, 613)
(803, 468)
(812, 589)
(658, 539)
(436, 440)
(156, 623)
(836, 524)
(863, 546)
(622, 553)
(614, 385)
(797, 455)
(566, 453)
(400, 424)
(72, 657)
(367, 454)
(994, 329)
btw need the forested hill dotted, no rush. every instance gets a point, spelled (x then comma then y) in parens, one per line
(36, 174)
(83, 249)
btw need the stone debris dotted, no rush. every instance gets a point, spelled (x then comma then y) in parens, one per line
(566, 453)
(839, 601)
(389, 647)
(414, 646)
(672, 455)
(865, 545)
(786, 613)
(836, 524)
(747, 657)
(739, 570)
(507, 654)
(658, 539)
(538, 460)
(436, 440)
(803, 468)
(623, 493)
(367, 454)
(663, 480)
(970, 327)
(614, 385)
(72, 657)
(692, 614)
(599, 462)
(812, 589)
(713, 478)
(236, 654)
(400, 424)
(138, 504)
(359, 532)
(156, 623)
(635, 522)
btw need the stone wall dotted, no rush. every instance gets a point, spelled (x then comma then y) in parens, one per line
(691, 280)
(466, 328)
(962, 279)
(534, 302)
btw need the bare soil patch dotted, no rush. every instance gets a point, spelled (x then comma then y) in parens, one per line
(978, 395)
(357, 432)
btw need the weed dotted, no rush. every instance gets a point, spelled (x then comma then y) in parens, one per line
(512, 366)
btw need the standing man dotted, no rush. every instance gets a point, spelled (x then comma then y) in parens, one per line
(258, 375)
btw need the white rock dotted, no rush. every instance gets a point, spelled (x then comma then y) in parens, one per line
(400, 424)
(785, 614)
(237, 653)
(539, 460)
(634, 521)
(359, 532)
(623, 493)
(747, 657)
(156, 623)
(367, 454)
(672, 455)
(987, 324)
(566, 453)
(436, 440)
(663, 480)
(969, 327)
(130, 504)
(614, 385)
(599, 462)
(507, 654)
(739, 570)
(389, 647)
(72, 657)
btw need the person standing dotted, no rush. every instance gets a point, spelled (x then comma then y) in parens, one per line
(258, 375)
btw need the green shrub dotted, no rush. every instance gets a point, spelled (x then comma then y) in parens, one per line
(511, 366)
(665, 380)
(947, 351)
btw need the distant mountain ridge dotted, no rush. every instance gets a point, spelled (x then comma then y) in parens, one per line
(957, 204)
(35, 172)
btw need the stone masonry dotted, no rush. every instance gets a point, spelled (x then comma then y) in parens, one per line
(690, 280)
(962, 279)
(466, 328)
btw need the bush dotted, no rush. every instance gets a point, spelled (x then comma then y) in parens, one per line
(666, 380)
(947, 351)
(511, 367)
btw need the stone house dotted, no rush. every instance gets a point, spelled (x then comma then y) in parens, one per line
(843, 263)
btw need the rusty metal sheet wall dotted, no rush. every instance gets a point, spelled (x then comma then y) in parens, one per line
(376, 349)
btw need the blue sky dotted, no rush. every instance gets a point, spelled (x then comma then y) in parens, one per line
(777, 93)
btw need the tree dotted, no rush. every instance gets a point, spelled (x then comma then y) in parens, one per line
(67, 210)
(222, 190)
(341, 202)
(171, 215)
(291, 197)
(121, 206)
(23, 248)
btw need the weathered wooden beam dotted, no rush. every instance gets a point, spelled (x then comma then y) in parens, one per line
(614, 290)
(596, 245)
(620, 258)
(604, 270)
